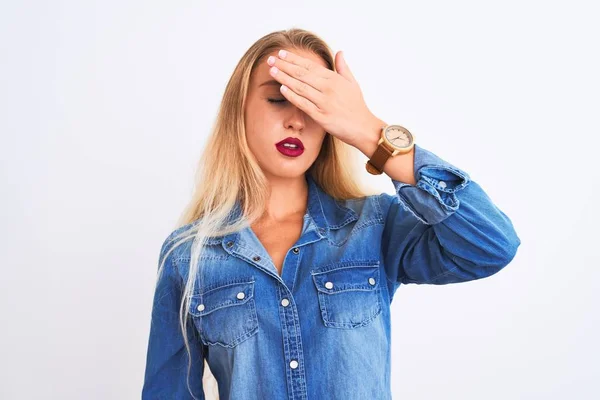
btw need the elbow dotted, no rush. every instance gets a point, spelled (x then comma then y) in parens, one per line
(512, 243)
(494, 259)
(512, 248)
(505, 252)
(508, 243)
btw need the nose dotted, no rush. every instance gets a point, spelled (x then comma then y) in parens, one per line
(296, 119)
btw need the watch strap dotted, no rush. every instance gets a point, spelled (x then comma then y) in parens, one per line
(378, 159)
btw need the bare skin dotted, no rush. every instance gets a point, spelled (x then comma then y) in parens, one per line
(266, 124)
(277, 238)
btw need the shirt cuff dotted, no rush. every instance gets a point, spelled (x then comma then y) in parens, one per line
(433, 198)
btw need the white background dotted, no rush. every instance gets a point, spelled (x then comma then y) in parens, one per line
(105, 107)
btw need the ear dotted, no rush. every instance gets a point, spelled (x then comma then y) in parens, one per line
(342, 68)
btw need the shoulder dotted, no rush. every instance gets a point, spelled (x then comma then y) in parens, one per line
(370, 207)
(178, 242)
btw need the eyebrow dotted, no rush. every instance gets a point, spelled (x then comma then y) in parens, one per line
(271, 82)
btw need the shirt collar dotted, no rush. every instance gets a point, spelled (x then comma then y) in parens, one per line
(326, 212)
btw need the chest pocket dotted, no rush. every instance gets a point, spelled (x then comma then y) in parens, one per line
(225, 315)
(349, 293)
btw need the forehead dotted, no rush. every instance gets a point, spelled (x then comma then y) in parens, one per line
(261, 72)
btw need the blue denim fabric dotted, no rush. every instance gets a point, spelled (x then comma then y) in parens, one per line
(321, 330)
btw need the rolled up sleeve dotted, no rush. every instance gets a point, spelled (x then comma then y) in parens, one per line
(434, 197)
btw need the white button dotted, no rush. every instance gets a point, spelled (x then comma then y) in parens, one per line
(442, 184)
(371, 281)
(241, 295)
(285, 302)
(201, 307)
(328, 285)
(294, 364)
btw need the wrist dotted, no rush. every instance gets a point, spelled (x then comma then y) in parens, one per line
(369, 136)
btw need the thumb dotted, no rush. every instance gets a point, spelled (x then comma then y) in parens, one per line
(342, 68)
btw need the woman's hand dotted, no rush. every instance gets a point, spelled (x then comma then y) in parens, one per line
(332, 99)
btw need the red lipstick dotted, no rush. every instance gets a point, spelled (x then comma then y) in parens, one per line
(294, 147)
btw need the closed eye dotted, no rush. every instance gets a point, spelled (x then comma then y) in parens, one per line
(277, 101)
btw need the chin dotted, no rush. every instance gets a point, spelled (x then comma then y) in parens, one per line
(287, 173)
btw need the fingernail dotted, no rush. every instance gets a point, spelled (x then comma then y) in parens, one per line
(282, 53)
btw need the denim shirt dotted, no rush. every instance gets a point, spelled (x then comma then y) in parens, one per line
(321, 330)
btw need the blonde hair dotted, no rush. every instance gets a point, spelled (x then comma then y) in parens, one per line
(228, 172)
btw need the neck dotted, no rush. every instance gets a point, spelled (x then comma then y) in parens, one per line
(288, 199)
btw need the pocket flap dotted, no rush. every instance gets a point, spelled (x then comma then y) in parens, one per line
(231, 294)
(347, 276)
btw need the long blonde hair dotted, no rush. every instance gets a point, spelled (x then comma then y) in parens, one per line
(228, 172)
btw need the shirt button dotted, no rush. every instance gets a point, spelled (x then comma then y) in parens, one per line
(200, 307)
(229, 244)
(371, 281)
(241, 295)
(442, 184)
(285, 302)
(296, 250)
(294, 364)
(328, 285)
(256, 258)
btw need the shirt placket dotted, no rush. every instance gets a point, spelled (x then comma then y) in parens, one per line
(292, 345)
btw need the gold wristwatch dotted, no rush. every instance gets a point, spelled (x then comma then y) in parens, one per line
(395, 139)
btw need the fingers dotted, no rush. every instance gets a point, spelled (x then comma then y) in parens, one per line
(292, 59)
(302, 69)
(301, 102)
(299, 87)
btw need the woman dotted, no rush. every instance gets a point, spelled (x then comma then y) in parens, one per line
(280, 275)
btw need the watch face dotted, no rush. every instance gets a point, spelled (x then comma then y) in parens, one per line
(398, 136)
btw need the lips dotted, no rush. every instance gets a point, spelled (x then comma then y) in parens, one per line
(291, 140)
(290, 151)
